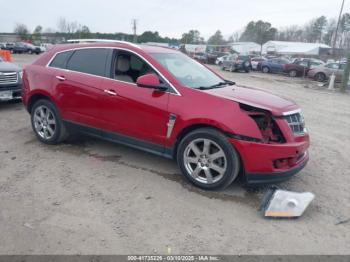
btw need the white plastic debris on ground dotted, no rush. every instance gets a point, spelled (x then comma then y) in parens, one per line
(285, 204)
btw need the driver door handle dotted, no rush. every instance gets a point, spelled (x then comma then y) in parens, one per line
(61, 78)
(110, 92)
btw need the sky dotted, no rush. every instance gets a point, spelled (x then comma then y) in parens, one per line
(169, 18)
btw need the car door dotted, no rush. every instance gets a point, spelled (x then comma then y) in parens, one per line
(331, 68)
(274, 65)
(228, 62)
(139, 114)
(77, 84)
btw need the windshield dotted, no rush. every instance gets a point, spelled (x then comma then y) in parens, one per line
(187, 71)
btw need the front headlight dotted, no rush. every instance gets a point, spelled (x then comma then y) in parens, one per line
(20, 74)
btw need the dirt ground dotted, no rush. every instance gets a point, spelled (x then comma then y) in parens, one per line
(91, 197)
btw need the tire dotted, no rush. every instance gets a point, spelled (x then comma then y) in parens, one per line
(265, 69)
(47, 124)
(200, 166)
(320, 77)
(30, 52)
(293, 73)
(247, 67)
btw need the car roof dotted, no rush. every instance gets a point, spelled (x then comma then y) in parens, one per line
(134, 47)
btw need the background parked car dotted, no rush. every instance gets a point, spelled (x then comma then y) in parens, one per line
(237, 62)
(274, 65)
(7, 46)
(200, 57)
(10, 81)
(256, 62)
(301, 67)
(322, 73)
(220, 59)
(32, 49)
(20, 48)
(212, 56)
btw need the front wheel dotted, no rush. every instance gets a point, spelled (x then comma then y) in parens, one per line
(46, 123)
(207, 159)
(293, 73)
(320, 77)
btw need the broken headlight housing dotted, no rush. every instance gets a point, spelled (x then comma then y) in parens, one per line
(267, 125)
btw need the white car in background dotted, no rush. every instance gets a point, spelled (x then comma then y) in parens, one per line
(221, 59)
(45, 46)
(255, 62)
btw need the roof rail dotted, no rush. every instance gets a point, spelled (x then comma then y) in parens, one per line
(79, 41)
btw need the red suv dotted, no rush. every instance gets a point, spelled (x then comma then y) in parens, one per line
(162, 101)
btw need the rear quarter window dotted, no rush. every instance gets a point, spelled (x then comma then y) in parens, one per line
(60, 60)
(90, 61)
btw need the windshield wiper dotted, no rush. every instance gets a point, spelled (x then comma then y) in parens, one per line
(218, 85)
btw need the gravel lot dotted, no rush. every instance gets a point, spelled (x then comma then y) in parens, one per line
(92, 197)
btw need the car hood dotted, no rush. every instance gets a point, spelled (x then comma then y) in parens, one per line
(8, 67)
(277, 105)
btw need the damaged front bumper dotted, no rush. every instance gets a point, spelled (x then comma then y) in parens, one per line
(271, 163)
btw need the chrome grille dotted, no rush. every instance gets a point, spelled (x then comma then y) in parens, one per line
(296, 123)
(8, 78)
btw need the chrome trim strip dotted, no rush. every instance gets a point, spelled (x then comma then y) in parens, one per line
(170, 125)
(291, 112)
(117, 48)
(87, 41)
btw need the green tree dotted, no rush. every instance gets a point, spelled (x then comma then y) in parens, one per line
(37, 33)
(38, 30)
(84, 32)
(22, 31)
(259, 32)
(318, 28)
(149, 36)
(344, 29)
(216, 39)
(192, 37)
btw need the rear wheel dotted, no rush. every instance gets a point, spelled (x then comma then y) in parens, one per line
(320, 77)
(46, 123)
(265, 69)
(207, 159)
(247, 67)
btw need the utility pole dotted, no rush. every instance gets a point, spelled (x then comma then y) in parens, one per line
(346, 75)
(336, 30)
(134, 29)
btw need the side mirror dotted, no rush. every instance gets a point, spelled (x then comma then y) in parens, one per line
(151, 81)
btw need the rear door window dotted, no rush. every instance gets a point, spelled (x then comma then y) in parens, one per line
(90, 61)
(60, 60)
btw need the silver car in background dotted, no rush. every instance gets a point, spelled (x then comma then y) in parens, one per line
(323, 72)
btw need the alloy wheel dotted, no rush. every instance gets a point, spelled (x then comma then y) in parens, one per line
(205, 161)
(44, 122)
